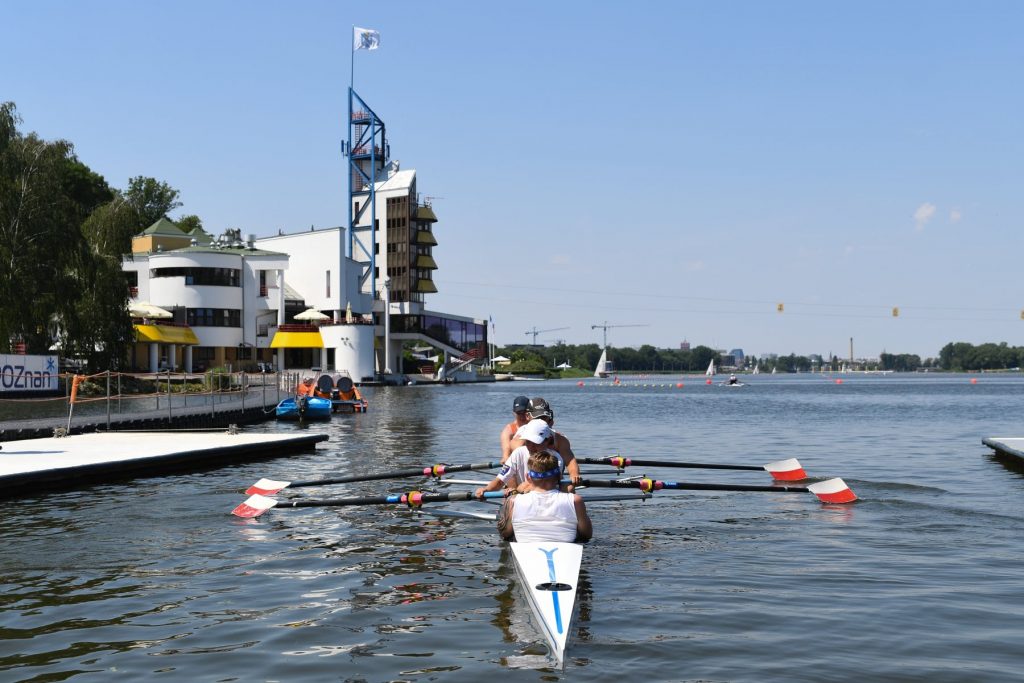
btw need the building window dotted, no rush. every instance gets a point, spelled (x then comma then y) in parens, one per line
(217, 277)
(328, 283)
(213, 317)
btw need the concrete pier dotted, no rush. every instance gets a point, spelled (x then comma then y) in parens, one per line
(28, 466)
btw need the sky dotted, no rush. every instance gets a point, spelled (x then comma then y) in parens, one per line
(673, 170)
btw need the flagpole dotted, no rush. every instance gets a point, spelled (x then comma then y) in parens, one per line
(352, 60)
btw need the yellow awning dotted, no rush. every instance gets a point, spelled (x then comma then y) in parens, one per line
(426, 237)
(426, 261)
(297, 340)
(165, 334)
(426, 286)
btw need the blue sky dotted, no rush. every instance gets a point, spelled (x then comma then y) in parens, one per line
(684, 166)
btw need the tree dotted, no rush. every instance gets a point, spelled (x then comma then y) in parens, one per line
(189, 223)
(151, 199)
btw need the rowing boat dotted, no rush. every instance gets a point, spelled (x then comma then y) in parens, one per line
(549, 573)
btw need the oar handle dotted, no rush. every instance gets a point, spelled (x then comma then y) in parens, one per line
(622, 463)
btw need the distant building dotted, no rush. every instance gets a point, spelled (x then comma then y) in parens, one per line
(738, 356)
(684, 345)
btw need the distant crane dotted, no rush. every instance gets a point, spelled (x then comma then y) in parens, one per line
(605, 327)
(535, 332)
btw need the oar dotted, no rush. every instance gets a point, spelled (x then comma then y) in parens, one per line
(781, 470)
(270, 486)
(828, 491)
(257, 504)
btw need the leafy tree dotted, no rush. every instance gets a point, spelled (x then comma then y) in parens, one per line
(151, 199)
(189, 223)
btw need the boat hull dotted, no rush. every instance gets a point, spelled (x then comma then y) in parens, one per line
(549, 574)
(315, 409)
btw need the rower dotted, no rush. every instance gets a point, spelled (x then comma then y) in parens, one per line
(307, 387)
(544, 513)
(520, 417)
(732, 379)
(542, 410)
(536, 436)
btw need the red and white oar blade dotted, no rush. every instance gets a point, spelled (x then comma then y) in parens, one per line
(832, 491)
(786, 470)
(267, 487)
(254, 506)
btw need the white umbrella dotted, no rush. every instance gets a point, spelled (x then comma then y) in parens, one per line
(312, 315)
(144, 309)
(564, 366)
(348, 313)
(500, 359)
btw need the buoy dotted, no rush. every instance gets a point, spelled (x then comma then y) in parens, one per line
(707, 381)
(679, 385)
(839, 381)
(974, 380)
(580, 383)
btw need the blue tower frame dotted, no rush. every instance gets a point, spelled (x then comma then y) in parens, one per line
(367, 152)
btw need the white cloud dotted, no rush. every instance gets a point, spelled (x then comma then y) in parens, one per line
(924, 213)
(955, 215)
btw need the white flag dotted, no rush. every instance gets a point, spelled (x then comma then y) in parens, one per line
(365, 39)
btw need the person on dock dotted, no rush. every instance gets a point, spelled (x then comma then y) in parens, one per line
(540, 409)
(520, 405)
(545, 513)
(307, 387)
(536, 436)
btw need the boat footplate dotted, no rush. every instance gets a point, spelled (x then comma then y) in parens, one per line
(553, 586)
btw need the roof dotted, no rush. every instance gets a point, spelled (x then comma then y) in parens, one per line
(399, 180)
(164, 226)
(166, 334)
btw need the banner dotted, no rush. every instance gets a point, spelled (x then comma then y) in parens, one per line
(28, 373)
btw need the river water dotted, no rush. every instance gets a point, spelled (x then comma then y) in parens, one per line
(922, 579)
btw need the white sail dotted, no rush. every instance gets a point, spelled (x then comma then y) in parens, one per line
(711, 369)
(757, 369)
(773, 371)
(602, 365)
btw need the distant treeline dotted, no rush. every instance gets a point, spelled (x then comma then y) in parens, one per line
(956, 357)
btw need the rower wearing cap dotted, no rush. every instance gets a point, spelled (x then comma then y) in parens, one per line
(536, 436)
(520, 406)
(544, 513)
(540, 409)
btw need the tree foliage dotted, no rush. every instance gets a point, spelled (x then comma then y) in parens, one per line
(964, 357)
(63, 231)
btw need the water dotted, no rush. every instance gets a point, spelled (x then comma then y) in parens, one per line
(921, 579)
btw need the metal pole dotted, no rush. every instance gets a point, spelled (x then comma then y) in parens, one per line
(170, 412)
(242, 381)
(108, 400)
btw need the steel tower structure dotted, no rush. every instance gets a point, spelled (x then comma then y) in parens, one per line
(367, 152)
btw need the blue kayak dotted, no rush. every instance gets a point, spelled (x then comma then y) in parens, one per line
(304, 408)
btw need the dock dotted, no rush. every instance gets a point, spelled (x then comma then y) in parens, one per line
(1006, 445)
(28, 466)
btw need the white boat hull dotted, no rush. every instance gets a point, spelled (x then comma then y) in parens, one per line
(549, 573)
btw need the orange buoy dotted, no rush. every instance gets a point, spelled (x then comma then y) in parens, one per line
(679, 385)
(580, 383)
(707, 381)
(839, 381)
(974, 380)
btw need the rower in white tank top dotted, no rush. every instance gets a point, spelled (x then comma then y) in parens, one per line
(545, 516)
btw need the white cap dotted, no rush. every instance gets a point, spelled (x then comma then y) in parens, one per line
(536, 431)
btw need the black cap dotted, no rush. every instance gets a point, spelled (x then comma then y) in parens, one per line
(541, 408)
(520, 404)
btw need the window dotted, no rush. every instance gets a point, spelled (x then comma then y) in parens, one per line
(328, 283)
(217, 277)
(213, 317)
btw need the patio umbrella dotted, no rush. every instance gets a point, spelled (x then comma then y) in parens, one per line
(348, 313)
(312, 315)
(144, 309)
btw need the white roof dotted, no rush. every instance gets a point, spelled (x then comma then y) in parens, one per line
(400, 180)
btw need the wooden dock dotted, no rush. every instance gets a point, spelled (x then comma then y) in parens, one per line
(30, 465)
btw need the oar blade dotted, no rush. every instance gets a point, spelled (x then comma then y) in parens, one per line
(786, 470)
(267, 487)
(832, 491)
(254, 506)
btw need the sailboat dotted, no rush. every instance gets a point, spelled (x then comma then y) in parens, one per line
(773, 371)
(757, 369)
(710, 372)
(604, 366)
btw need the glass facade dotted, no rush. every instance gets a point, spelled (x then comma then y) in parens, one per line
(214, 317)
(461, 334)
(220, 277)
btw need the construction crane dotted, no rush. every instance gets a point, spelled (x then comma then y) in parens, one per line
(605, 327)
(535, 332)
